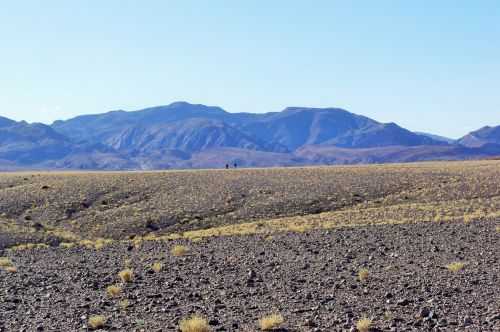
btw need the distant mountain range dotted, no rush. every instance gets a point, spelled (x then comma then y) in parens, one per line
(183, 135)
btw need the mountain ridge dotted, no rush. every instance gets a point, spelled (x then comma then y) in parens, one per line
(184, 135)
(481, 137)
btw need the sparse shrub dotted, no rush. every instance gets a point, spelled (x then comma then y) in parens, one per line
(124, 304)
(298, 228)
(87, 243)
(113, 290)
(137, 241)
(468, 218)
(364, 324)
(100, 243)
(126, 275)
(363, 274)
(97, 321)
(179, 250)
(5, 262)
(157, 267)
(194, 324)
(66, 245)
(455, 266)
(270, 322)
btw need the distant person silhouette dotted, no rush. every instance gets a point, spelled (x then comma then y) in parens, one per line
(235, 165)
(227, 166)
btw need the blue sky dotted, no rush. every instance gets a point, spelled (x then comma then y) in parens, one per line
(426, 65)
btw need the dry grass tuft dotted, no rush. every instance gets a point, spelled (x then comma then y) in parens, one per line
(364, 324)
(28, 246)
(363, 274)
(468, 218)
(66, 245)
(270, 322)
(5, 262)
(7, 265)
(126, 275)
(455, 266)
(157, 267)
(98, 245)
(124, 304)
(96, 322)
(194, 324)
(86, 243)
(113, 290)
(137, 241)
(179, 250)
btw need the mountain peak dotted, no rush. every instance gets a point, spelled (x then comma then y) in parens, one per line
(4, 122)
(183, 106)
(181, 103)
(480, 137)
(314, 109)
(174, 135)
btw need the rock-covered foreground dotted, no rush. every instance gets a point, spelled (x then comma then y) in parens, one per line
(310, 278)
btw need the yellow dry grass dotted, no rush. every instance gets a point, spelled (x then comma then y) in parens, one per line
(5, 262)
(124, 304)
(100, 243)
(364, 324)
(126, 275)
(97, 321)
(363, 274)
(194, 324)
(271, 322)
(403, 213)
(157, 267)
(455, 266)
(28, 246)
(113, 290)
(179, 250)
(127, 262)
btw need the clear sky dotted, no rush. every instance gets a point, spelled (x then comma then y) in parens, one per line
(426, 65)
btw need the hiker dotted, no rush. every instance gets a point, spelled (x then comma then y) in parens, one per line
(235, 165)
(227, 166)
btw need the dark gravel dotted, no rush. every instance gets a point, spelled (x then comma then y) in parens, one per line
(310, 278)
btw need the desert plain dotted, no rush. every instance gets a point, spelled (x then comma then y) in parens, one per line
(398, 247)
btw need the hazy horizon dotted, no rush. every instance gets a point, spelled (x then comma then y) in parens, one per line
(429, 67)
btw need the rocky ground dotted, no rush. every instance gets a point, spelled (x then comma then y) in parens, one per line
(67, 207)
(310, 278)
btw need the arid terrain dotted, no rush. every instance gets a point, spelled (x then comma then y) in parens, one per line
(401, 247)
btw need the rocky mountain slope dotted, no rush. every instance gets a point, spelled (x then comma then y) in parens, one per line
(481, 137)
(183, 135)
